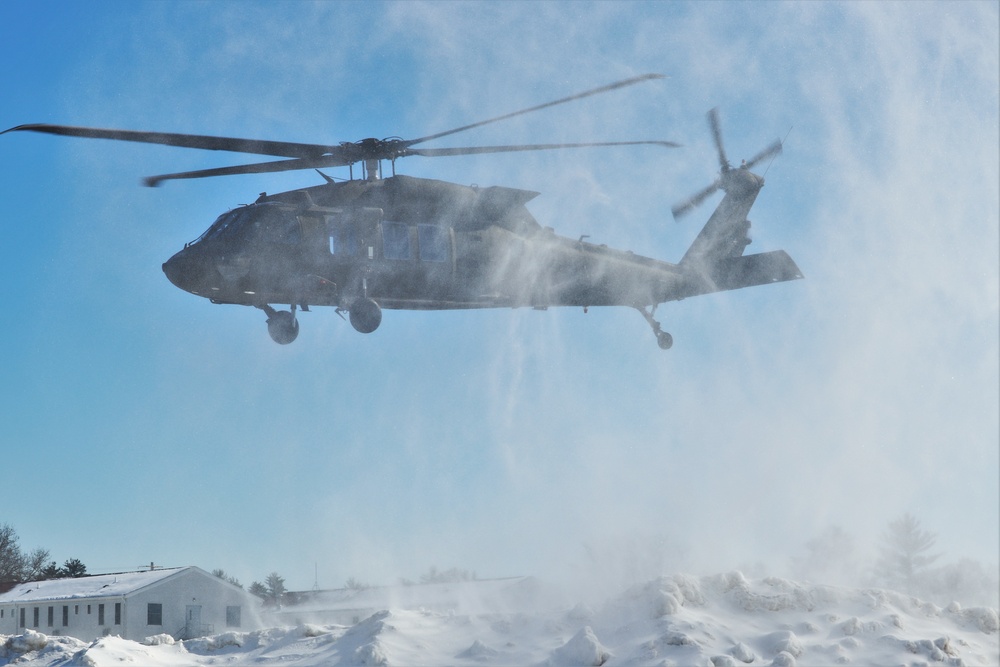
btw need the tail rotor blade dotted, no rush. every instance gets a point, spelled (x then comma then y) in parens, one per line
(713, 121)
(686, 206)
(770, 151)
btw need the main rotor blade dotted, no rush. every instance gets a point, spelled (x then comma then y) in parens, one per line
(773, 149)
(479, 150)
(254, 146)
(713, 122)
(587, 93)
(257, 168)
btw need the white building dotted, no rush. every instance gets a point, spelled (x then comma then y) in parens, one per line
(183, 602)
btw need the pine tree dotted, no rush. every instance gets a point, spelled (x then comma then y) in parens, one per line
(276, 590)
(74, 567)
(51, 571)
(258, 589)
(905, 558)
(221, 574)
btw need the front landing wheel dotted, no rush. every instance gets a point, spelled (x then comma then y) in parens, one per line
(282, 327)
(366, 315)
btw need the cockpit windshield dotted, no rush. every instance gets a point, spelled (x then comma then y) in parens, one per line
(269, 223)
(224, 225)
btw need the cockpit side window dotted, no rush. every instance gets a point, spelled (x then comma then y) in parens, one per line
(273, 224)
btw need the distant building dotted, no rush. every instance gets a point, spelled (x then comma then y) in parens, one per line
(182, 602)
(347, 606)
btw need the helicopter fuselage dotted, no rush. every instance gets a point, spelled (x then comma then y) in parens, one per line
(410, 243)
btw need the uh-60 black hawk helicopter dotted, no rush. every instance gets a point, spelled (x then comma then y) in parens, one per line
(412, 243)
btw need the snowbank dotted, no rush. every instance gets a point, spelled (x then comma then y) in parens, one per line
(724, 620)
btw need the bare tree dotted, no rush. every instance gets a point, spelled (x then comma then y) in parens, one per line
(11, 558)
(15, 565)
(34, 563)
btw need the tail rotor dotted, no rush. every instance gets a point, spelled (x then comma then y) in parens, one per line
(683, 208)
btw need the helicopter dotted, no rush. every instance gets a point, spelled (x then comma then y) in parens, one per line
(401, 242)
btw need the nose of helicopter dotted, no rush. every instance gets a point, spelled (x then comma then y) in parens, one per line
(184, 271)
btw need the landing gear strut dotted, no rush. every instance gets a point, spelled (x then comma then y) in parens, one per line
(281, 324)
(663, 339)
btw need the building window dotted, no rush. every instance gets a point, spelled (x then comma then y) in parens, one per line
(154, 613)
(76, 609)
(35, 618)
(22, 617)
(100, 614)
(88, 609)
(232, 617)
(65, 615)
(52, 616)
(118, 613)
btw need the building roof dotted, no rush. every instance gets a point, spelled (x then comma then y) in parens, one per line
(472, 597)
(97, 586)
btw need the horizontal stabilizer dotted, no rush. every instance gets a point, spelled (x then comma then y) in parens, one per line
(751, 270)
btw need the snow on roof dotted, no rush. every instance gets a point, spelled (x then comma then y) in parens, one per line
(98, 586)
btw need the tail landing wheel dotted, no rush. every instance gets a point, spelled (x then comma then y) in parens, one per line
(663, 339)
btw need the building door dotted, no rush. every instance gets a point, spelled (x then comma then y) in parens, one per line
(192, 628)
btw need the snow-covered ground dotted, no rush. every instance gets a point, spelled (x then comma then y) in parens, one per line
(713, 621)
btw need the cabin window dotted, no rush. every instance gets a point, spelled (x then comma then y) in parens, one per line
(118, 613)
(52, 616)
(154, 613)
(435, 242)
(22, 617)
(344, 241)
(100, 614)
(396, 241)
(65, 615)
(34, 618)
(232, 617)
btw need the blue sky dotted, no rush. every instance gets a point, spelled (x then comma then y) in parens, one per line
(142, 424)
